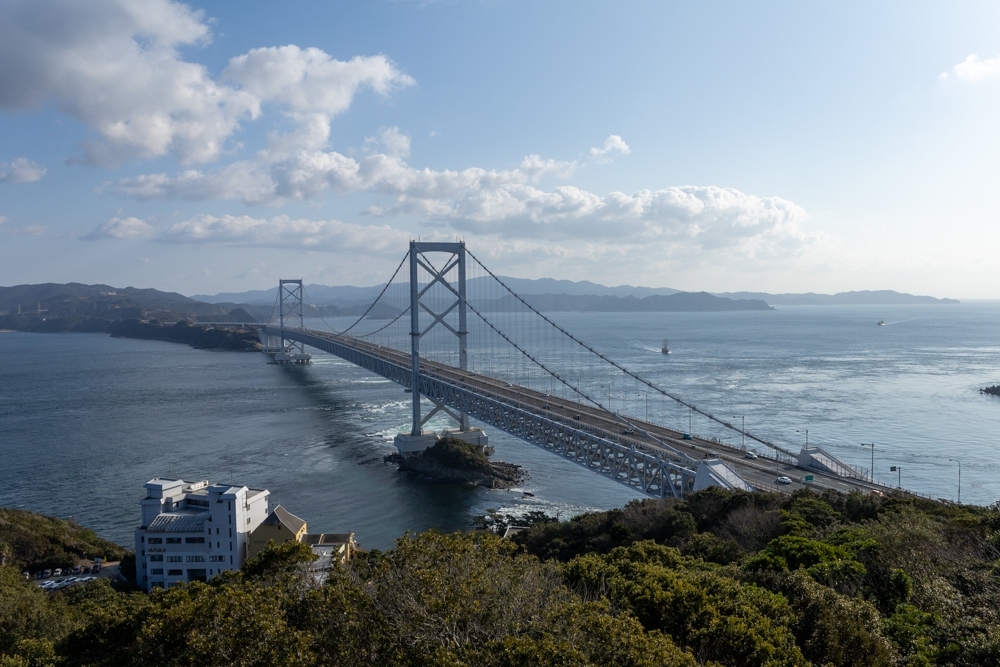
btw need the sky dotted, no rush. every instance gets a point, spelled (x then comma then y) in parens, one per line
(777, 146)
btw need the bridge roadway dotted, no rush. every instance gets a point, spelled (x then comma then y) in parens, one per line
(762, 472)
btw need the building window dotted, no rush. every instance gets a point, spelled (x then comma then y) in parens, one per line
(144, 565)
(155, 570)
(230, 560)
(196, 559)
(230, 532)
(173, 540)
(174, 559)
(230, 546)
(174, 573)
(216, 559)
(158, 558)
(156, 540)
(142, 539)
(194, 540)
(248, 520)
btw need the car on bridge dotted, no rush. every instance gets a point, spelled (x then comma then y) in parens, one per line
(784, 480)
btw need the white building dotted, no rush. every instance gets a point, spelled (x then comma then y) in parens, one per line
(192, 531)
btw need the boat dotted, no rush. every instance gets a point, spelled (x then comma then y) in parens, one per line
(880, 323)
(665, 349)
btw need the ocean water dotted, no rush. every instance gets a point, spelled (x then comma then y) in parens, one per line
(86, 419)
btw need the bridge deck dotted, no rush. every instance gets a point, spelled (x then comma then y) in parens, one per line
(762, 473)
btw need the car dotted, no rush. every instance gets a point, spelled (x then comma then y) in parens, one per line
(576, 417)
(784, 480)
(750, 455)
(26, 575)
(628, 431)
(86, 569)
(38, 575)
(96, 568)
(46, 574)
(57, 572)
(77, 570)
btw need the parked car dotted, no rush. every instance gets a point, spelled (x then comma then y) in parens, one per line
(57, 572)
(46, 574)
(26, 575)
(86, 569)
(784, 480)
(38, 575)
(77, 570)
(96, 568)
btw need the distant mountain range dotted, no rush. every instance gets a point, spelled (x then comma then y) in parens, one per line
(79, 307)
(556, 296)
(866, 297)
(350, 295)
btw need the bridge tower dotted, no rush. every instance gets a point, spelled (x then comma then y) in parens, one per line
(452, 278)
(291, 314)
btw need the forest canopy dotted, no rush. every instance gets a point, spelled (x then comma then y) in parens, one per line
(720, 578)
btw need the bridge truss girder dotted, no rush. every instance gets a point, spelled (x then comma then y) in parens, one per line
(639, 470)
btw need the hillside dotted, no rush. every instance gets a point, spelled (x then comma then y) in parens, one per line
(35, 541)
(724, 579)
(51, 308)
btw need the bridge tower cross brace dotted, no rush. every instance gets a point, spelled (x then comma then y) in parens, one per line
(290, 310)
(456, 261)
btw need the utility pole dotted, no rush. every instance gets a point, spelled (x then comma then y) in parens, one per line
(743, 430)
(899, 475)
(871, 476)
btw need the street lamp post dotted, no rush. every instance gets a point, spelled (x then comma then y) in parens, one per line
(959, 479)
(871, 473)
(743, 430)
(899, 475)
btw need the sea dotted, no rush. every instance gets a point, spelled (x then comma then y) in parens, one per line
(86, 420)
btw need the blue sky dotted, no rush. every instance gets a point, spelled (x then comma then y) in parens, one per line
(787, 146)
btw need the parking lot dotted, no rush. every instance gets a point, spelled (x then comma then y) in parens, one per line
(57, 579)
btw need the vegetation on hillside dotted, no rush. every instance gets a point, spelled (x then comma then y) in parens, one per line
(722, 578)
(34, 542)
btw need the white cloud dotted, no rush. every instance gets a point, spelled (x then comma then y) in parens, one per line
(974, 68)
(116, 66)
(390, 141)
(121, 228)
(613, 145)
(305, 174)
(21, 170)
(3, 219)
(284, 232)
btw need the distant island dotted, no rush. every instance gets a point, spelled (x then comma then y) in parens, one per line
(865, 297)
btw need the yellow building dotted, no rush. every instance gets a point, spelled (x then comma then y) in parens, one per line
(280, 526)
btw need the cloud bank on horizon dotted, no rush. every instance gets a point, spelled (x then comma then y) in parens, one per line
(253, 141)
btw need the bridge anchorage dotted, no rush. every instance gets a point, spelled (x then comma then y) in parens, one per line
(473, 349)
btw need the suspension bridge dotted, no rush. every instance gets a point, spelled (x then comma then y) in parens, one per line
(468, 347)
